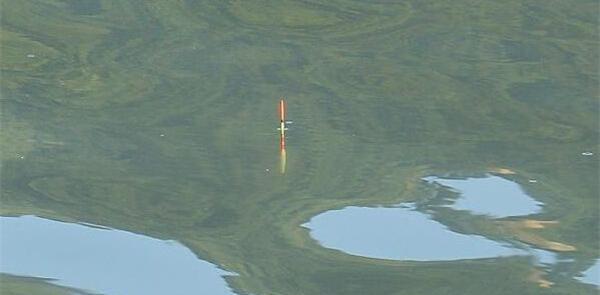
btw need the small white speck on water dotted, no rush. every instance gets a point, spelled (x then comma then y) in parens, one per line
(31, 55)
(267, 170)
(532, 181)
(587, 154)
(162, 135)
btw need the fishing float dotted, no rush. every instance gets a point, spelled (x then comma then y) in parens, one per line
(282, 128)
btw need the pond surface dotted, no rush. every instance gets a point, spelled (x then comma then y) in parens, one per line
(104, 260)
(592, 275)
(160, 117)
(401, 234)
(493, 196)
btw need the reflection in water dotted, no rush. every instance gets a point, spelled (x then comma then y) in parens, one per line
(524, 230)
(493, 196)
(104, 260)
(592, 275)
(504, 171)
(282, 161)
(543, 257)
(399, 233)
(538, 276)
(497, 197)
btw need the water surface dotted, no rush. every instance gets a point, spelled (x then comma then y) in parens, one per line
(399, 233)
(160, 116)
(592, 275)
(104, 260)
(492, 195)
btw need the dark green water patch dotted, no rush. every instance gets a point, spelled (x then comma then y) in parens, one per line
(85, 7)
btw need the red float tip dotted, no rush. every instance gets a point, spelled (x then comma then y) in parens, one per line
(281, 110)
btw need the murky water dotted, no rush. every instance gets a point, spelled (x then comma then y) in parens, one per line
(103, 260)
(159, 118)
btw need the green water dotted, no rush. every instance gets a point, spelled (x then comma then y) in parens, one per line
(159, 118)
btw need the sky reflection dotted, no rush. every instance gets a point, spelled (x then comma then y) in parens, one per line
(104, 260)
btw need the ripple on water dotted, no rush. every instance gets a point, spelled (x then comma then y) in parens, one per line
(104, 260)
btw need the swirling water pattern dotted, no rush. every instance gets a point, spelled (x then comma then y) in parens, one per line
(158, 117)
